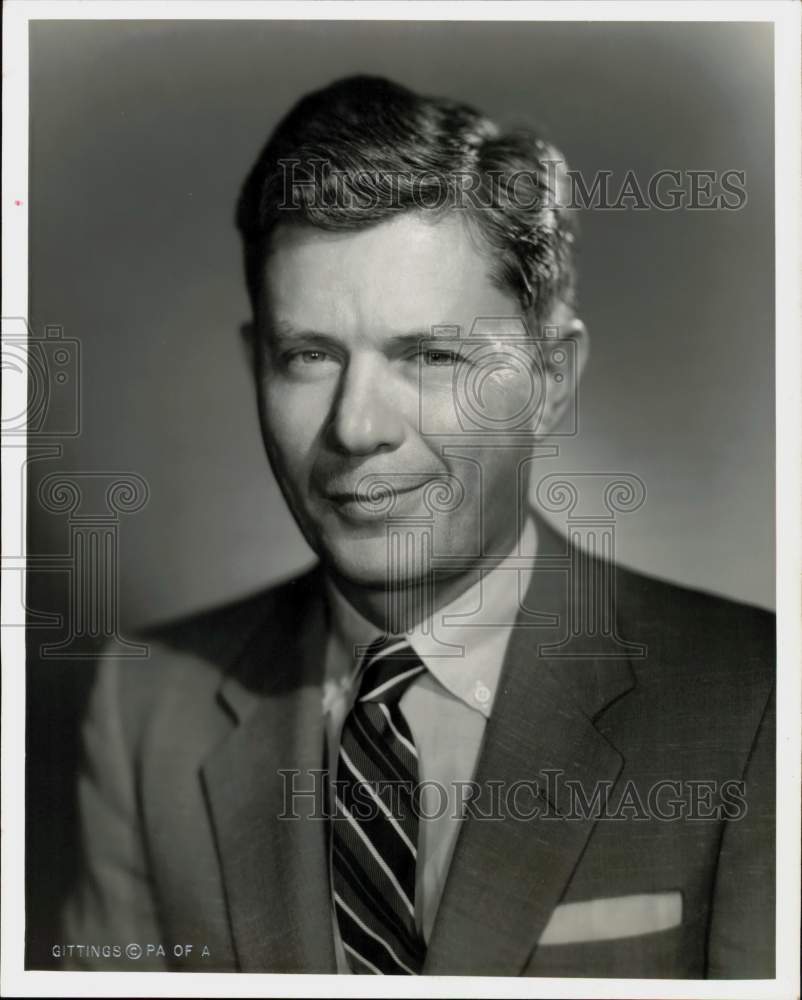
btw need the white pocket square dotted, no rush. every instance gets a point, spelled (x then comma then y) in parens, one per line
(613, 917)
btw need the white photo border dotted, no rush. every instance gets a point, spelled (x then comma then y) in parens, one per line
(787, 19)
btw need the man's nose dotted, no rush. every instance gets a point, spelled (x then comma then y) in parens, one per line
(365, 416)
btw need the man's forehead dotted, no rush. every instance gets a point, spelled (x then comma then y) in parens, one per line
(404, 274)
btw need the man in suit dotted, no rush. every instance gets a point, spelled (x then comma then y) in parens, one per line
(459, 744)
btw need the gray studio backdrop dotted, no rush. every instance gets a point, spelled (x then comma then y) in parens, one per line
(140, 135)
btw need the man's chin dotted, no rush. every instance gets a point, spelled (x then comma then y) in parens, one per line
(370, 563)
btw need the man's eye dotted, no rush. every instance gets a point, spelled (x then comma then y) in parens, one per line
(309, 361)
(440, 358)
(308, 357)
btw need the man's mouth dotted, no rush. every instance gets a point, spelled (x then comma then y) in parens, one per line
(374, 494)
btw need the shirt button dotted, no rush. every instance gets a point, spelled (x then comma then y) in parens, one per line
(481, 693)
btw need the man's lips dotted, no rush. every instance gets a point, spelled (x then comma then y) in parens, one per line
(374, 493)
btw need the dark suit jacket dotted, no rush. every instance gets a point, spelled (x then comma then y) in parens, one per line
(180, 793)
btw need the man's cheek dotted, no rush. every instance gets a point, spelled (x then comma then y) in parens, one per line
(438, 412)
(294, 420)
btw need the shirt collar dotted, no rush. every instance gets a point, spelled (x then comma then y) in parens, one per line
(463, 643)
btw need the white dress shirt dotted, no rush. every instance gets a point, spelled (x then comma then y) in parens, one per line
(462, 646)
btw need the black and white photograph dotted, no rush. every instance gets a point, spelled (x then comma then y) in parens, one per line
(401, 483)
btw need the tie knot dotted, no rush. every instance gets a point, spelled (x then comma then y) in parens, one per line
(388, 668)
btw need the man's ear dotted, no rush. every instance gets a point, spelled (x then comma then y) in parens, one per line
(565, 346)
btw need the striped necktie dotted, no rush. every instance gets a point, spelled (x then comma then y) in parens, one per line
(375, 828)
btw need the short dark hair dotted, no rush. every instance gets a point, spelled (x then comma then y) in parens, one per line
(355, 153)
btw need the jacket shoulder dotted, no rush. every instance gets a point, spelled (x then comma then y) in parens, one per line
(703, 657)
(220, 633)
(189, 656)
(704, 618)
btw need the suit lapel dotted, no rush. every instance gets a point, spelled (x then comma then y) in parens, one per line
(506, 876)
(275, 867)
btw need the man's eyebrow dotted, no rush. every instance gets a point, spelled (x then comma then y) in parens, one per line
(284, 329)
(283, 334)
(414, 337)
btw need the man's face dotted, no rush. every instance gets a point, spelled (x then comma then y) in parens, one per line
(362, 421)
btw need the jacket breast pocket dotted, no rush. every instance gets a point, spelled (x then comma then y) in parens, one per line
(634, 936)
(657, 955)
